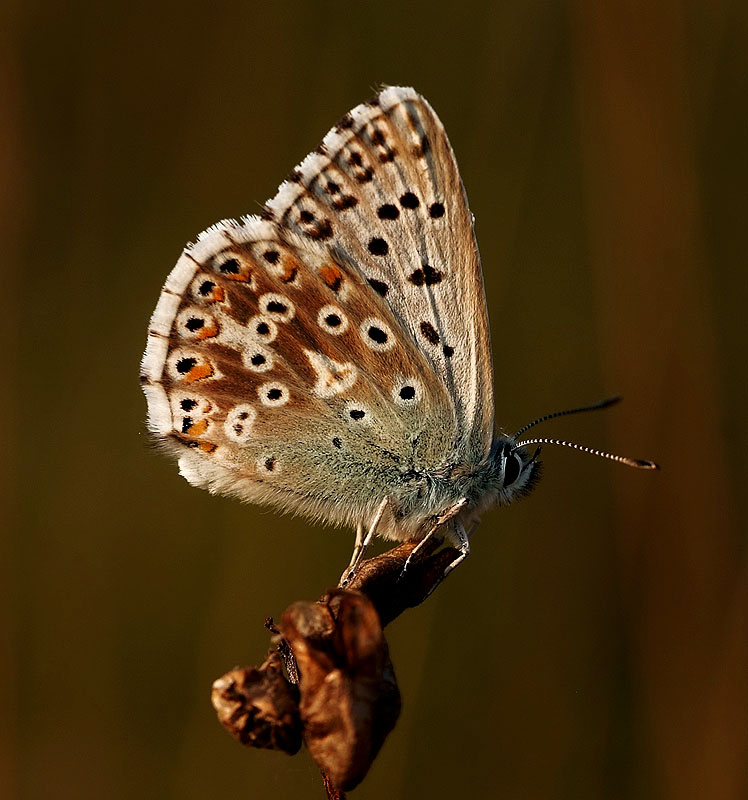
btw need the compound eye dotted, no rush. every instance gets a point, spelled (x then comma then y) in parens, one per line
(512, 468)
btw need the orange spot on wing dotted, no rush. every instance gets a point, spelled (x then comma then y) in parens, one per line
(206, 447)
(290, 270)
(199, 371)
(241, 277)
(332, 276)
(208, 332)
(198, 428)
(217, 295)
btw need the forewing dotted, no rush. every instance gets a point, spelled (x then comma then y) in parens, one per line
(384, 191)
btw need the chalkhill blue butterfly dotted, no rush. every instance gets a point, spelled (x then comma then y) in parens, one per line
(331, 356)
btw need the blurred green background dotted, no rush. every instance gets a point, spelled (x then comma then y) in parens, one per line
(595, 645)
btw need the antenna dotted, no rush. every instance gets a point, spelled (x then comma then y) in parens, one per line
(611, 401)
(638, 463)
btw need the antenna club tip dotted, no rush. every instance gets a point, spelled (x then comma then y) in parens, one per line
(641, 463)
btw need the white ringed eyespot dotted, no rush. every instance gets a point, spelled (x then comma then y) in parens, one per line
(238, 424)
(332, 319)
(273, 394)
(376, 334)
(407, 392)
(277, 307)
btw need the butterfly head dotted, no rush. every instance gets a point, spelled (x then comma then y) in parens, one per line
(516, 472)
(513, 472)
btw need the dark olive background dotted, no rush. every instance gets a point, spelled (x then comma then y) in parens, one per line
(595, 644)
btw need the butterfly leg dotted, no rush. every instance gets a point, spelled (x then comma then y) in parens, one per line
(417, 549)
(463, 545)
(441, 520)
(363, 542)
(357, 547)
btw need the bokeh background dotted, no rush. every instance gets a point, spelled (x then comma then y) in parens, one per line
(595, 645)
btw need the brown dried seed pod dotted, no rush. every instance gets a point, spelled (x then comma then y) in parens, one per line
(259, 707)
(349, 696)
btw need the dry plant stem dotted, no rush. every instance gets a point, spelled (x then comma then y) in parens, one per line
(338, 668)
(332, 792)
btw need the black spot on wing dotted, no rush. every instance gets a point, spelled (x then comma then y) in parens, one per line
(378, 246)
(388, 211)
(230, 266)
(344, 201)
(377, 334)
(409, 200)
(380, 287)
(184, 365)
(429, 333)
(426, 276)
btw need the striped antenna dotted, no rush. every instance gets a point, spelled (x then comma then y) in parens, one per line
(638, 463)
(611, 401)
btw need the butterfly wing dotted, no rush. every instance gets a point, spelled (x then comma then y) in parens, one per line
(384, 190)
(283, 364)
(276, 374)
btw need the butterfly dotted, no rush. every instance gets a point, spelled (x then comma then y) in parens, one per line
(331, 356)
